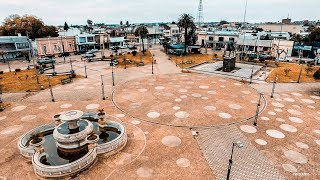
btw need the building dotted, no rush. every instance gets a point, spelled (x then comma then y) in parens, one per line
(217, 38)
(13, 47)
(172, 32)
(85, 41)
(52, 46)
(291, 28)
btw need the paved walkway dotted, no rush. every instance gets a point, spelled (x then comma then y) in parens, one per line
(164, 65)
(248, 162)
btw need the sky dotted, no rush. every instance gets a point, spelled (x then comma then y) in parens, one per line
(56, 12)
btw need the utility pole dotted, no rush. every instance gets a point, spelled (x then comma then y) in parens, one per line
(244, 32)
(50, 87)
(102, 88)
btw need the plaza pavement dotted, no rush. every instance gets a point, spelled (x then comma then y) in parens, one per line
(165, 140)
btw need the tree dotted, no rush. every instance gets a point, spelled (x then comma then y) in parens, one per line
(315, 35)
(316, 75)
(66, 26)
(127, 24)
(27, 25)
(121, 23)
(142, 32)
(186, 22)
(259, 29)
(89, 22)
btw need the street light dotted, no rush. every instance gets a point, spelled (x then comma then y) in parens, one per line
(51, 92)
(152, 64)
(112, 74)
(102, 88)
(258, 109)
(85, 67)
(9, 66)
(274, 85)
(237, 144)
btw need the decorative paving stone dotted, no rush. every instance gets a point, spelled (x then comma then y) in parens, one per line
(42, 107)
(135, 122)
(135, 105)
(210, 108)
(294, 112)
(183, 96)
(142, 90)
(289, 99)
(18, 108)
(92, 106)
(308, 101)
(183, 90)
(278, 110)
(235, 106)
(212, 92)
(278, 99)
(261, 142)
(11, 130)
(315, 97)
(159, 88)
(318, 141)
(317, 131)
(204, 87)
(276, 104)
(171, 141)
(225, 115)
(246, 92)
(28, 118)
(153, 115)
(295, 157)
(65, 106)
(196, 95)
(144, 172)
(296, 94)
(275, 134)
(168, 94)
(204, 98)
(223, 86)
(296, 106)
(182, 115)
(248, 129)
(3, 118)
(183, 162)
(178, 100)
(222, 80)
(288, 128)
(272, 113)
(296, 120)
(289, 168)
(237, 84)
(311, 107)
(79, 87)
(302, 145)
(176, 108)
(280, 120)
(120, 115)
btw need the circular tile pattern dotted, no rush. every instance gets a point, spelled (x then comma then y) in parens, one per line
(302, 145)
(28, 118)
(42, 107)
(153, 115)
(296, 120)
(142, 90)
(79, 87)
(248, 129)
(317, 131)
(210, 108)
(272, 113)
(178, 100)
(278, 105)
(315, 97)
(289, 168)
(261, 142)
(235, 106)
(135, 105)
(3, 118)
(308, 101)
(275, 134)
(135, 122)
(65, 106)
(183, 162)
(205, 98)
(311, 107)
(11, 130)
(144, 172)
(280, 120)
(295, 157)
(288, 128)
(204, 87)
(183, 90)
(278, 110)
(183, 96)
(120, 115)
(318, 142)
(237, 84)
(296, 106)
(176, 108)
(294, 112)
(265, 118)
(18, 108)
(171, 141)
(92, 106)
(246, 92)
(159, 88)
(212, 92)
(182, 115)
(196, 95)
(296, 94)
(289, 100)
(225, 115)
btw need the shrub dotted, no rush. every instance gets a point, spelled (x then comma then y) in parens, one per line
(316, 75)
(134, 53)
(286, 71)
(309, 70)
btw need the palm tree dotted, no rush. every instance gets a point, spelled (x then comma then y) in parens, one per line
(186, 22)
(142, 32)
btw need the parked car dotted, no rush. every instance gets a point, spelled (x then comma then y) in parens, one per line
(88, 55)
(43, 61)
(115, 48)
(64, 54)
(80, 52)
(93, 51)
(217, 48)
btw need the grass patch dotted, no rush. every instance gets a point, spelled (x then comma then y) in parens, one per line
(146, 59)
(26, 81)
(191, 59)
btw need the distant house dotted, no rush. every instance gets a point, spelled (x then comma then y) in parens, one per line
(172, 32)
(85, 41)
(13, 47)
(55, 45)
(217, 38)
(291, 28)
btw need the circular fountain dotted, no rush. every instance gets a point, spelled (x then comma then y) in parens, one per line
(72, 143)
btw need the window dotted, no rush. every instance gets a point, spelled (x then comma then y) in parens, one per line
(231, 39)
(221, 39)
(44, 49)
(22, 45)
(90, 39)
(70, 46)
(55, 47)
(82, 40)
(210, 38)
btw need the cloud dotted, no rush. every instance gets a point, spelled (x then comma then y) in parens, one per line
(56, 12)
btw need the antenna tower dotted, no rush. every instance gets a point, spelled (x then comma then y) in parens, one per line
(200, 14)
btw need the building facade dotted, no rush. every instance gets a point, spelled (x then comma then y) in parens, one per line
(55, 45)
(13, 47)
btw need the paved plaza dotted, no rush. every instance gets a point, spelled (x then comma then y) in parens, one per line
(180, 125)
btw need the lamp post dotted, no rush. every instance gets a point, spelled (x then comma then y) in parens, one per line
(9, 66)
(1, 108)
(51, 92)
(71, 65)
(176, 61)
(182, 63)
(85, 67)
(258, 109)
(112, 72)
(35, 71)
(102, 88)
(274, 86)
(64, 57)
(251, 74)
(237, 144)
(152, 64)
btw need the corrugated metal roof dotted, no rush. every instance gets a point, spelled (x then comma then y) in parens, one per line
(13, 39)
